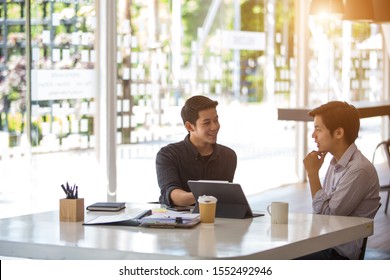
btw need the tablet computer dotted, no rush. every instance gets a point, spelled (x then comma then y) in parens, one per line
(232, 202)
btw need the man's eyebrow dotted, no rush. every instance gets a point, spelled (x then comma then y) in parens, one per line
(207, 119)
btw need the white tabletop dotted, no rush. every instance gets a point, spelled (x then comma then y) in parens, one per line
(43, 236)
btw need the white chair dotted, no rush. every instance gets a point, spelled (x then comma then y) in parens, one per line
(381, 161)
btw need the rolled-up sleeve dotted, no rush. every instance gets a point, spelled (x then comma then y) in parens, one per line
(166, 175)
(320, 201)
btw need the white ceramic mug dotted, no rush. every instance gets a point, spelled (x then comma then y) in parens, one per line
(278, 212)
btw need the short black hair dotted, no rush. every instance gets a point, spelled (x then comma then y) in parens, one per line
(337, 114)
(196, 103)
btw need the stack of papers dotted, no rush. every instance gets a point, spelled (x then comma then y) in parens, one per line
(122, 219)
(148, 218)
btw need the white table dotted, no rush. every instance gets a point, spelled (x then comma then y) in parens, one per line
(43, 236)
(366, 109)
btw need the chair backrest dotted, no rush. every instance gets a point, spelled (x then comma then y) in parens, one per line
(383, 167)
(386, 145)
(364, 245)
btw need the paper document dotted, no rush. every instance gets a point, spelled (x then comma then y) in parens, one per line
(105, 219)
(123, 219)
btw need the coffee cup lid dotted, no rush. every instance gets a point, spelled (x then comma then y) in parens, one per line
(207, 199)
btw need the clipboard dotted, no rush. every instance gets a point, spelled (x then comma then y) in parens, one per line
(170, 220)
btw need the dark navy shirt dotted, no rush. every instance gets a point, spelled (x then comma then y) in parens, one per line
(179, 162)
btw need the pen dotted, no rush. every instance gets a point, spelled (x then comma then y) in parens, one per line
(144, 214)
(62, 186)
(67, 190)
(71, 192)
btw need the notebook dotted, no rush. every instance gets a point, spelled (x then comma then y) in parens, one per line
(107, 206)
(232, 202)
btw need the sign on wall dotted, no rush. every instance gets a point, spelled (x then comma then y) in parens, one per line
(243, 40)
(62, 84)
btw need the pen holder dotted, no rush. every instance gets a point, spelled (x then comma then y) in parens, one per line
(71, 210)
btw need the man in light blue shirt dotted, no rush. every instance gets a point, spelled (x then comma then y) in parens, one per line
(351, 185)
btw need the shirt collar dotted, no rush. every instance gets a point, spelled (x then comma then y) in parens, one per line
(346, 157)
(195, 152)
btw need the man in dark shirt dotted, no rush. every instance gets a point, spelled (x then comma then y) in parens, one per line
(197, 157)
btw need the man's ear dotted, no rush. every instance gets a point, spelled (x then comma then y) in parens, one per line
(339, 132)
(188, 126)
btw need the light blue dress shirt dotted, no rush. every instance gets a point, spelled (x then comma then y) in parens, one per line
(350, 188)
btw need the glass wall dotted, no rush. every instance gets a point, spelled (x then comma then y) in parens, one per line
(346, 62)
(242, 53)
(170, 50)
(47, 98)
(62, 76)
(62, 85)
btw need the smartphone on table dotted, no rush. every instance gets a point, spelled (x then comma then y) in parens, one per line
(180, 208)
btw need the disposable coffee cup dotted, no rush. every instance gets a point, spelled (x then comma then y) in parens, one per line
(207, 207)
(278, 212)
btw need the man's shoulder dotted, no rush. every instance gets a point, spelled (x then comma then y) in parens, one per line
(359, 157)
(225, 149)
(171, 147)
(361, 163)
